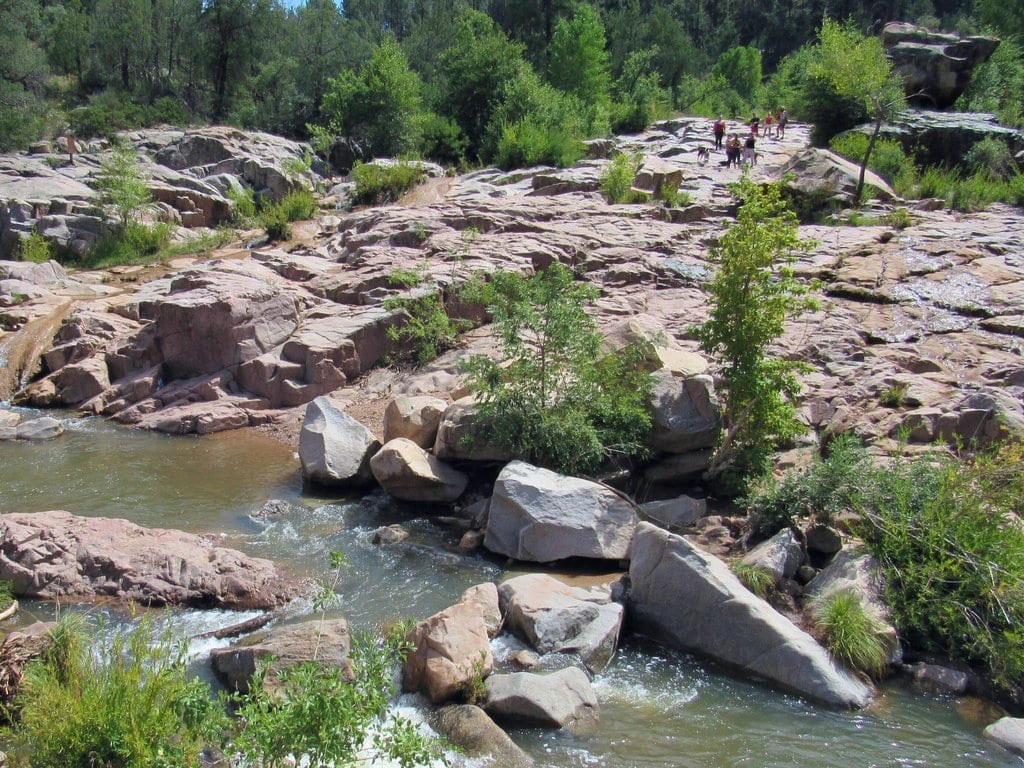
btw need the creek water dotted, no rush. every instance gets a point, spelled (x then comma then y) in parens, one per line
(658, 708)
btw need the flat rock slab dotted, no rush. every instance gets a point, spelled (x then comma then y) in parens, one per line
(693, 602)
(56, 554)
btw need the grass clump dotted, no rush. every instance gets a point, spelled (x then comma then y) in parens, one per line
(126, 702)
(135, 244)
(243, 206)
(899, 218)
(617, 180)
(851, 634)
(893, 396)
(670, 194)
(400, 277)
(556, 399)
(757, 579)
(429, 330)
(376, 185)
(35, 248)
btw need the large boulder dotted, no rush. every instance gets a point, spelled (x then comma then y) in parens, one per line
(679, 512)
(408, 472)
(781, 555)
(471, 730)
(459, 435)
(693, 602)
(824, 177)
(414, 418)
(685, 413)
(450, 650)
(542, 516)
(1007, 732)
(562, 699)
(860, 573)
(54, 555)
(334, 448)
(935, 67)
(554, 617)
(325, 642)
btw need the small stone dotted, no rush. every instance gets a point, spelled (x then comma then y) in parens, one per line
(471, 541)
(1008, 732)
(805, 573)
(524, 659)
(390, 534)
(823, 539)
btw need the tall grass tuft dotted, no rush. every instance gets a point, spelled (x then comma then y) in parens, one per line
(851, 634)
(758, 580)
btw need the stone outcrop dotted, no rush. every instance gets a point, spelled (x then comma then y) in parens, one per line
(823, 177)
(459, 435)
(324, 642)
(450, 649)
(935, 68)
(542, 516)
(334, 448)
(408, 472)
(693, 602)
(52, 555)
(562, 699)
(554, 617)
(470, 729)
(946, 137)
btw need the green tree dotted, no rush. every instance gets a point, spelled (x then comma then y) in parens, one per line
(122, 35)
(479, 61)
(69, 40)
(578, 59)
(855, 68)
(752, 295)
(23, 74)
(380, 106)
(556, 399)
(122, 187)
(741, 69)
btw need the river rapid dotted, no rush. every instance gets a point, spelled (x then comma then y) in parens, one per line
(658, 708)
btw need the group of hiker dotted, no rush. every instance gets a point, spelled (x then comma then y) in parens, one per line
(744, 150)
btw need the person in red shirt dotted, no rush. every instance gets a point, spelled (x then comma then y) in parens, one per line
(719, 130)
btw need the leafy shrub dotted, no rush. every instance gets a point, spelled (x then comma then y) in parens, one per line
(992, 156)
(316, 712)
(888, 159)
(376, 185)
(404, 278)
(298, 205)
(952, 548)
(556, 400)
(122, 187)
(527, 143)
(757, 579)
(442, 140)
(137, 244)
(638, 95)
(243, 206)
(671, 195)
(617, 180)
(892, 397)
(275, 224)
(839, 482)
(35, 248)
(899, 218)
(850, 633)
(428, 329)
(119, 701)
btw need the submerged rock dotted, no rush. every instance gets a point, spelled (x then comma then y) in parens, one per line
(470, 729)
(693, 602)
(52, 555)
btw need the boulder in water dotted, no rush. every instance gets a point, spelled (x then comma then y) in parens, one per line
(334, 448)
(562, 699)
(470, 729)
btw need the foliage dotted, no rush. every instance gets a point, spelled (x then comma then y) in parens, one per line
(555, 399)
(617, 179)
(836, 483)
(578, 59)
(638, 95)
(991, 156)
(740, 69)
(971, 192)
(298, 205)
(428, 329)
(137, 244)
(124, 700)
(35, 248)
(399, 277)
(997, 84)
(851, 633)
(756, 578)
(317, 712)
(122, 187)
(900, 218)
(952, 547)
(442, 140)
(892, 397)
(887, 159)
(243, 206)
(752, 294)
(6, 593)
(379, 184)
(671, 195)
(854, 68)
(380, 107)
(275, 224)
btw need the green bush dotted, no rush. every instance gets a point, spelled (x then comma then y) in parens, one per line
(556, 400)
(888, 159)
(991, 156)
(243, 206)
(671, 195)
(527, 143)
(137, 244)
(442, 140)
(35, 248)
(428, 330)
(122, 700)
(837, 483)
(851, 634)
(298, 205)
(617, 179)
(275, 224)
(376, 185)
(316, 712)
(949, 538)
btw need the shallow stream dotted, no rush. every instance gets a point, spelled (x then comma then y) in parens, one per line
(657, 708)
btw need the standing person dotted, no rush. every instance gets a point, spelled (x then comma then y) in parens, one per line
(719, 129)
(69, 137)
(749, 148)
(755, 125)
(766, 131)
(780, 124)
(732, 151)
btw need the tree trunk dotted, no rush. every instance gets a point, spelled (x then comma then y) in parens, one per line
(867, 156)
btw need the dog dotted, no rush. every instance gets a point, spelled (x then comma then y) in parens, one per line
(703, 155)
